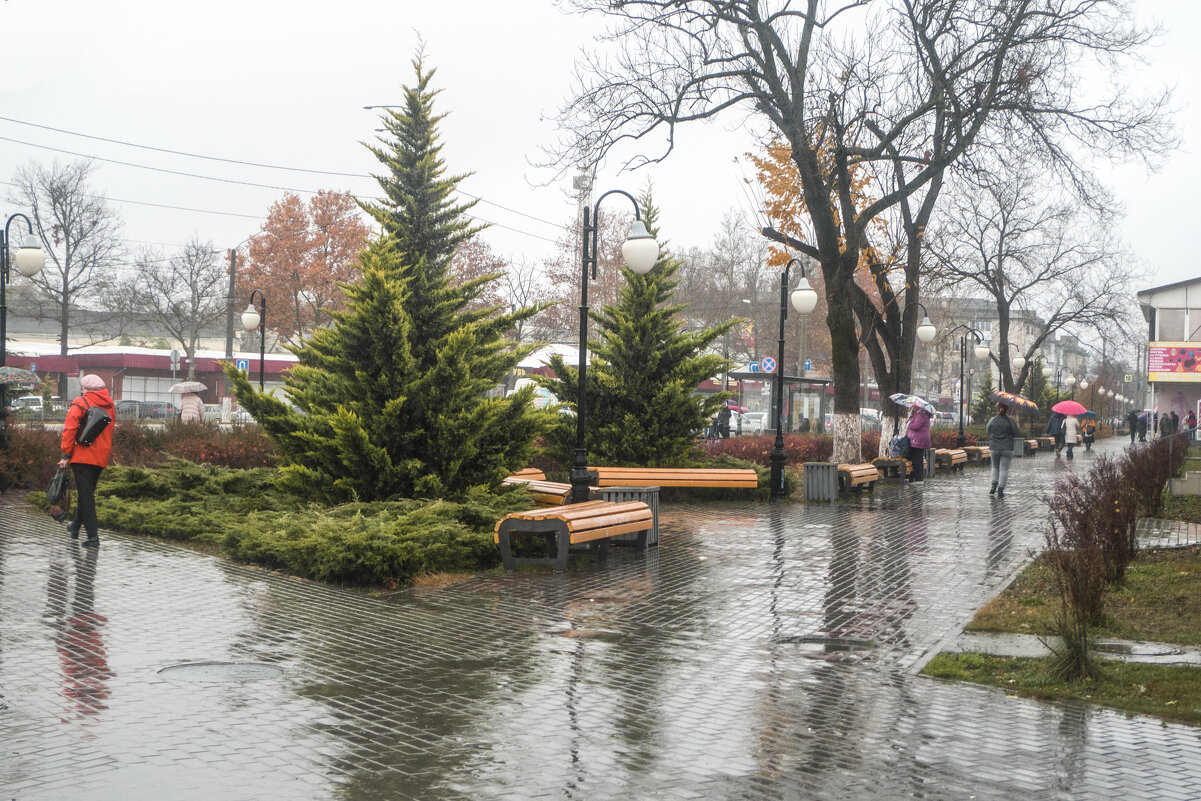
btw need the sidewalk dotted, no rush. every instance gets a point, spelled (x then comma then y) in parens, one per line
(760, 652)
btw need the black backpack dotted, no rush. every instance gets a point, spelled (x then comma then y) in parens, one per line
(94, 420)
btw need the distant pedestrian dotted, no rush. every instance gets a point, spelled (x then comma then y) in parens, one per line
(1132, 424)
(1175, 422)
(1002, 432)
(1165, 425)
(1142, 427)
(191, 408)
(1191, 423)
(918, 431)
(87, 461)
(1055, 429)
(1088, 432)
(723, 422)
(1071, 433)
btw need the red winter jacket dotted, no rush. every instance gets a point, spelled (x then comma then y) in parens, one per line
(98, 452)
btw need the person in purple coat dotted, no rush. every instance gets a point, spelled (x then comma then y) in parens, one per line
(918, 431)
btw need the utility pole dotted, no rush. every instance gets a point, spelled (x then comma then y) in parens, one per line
(229, 308)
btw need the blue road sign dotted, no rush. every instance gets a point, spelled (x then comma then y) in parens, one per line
(808, 364)
(243, 365)
(754, 367)
(33, 367)
(768, 364)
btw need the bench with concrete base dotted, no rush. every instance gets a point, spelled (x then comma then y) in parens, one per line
(1032, 446)
(738, 478)
(950, 458)
(856, 476)
(977, 453)
(593, 522)
(893, 468)
(1045, 443)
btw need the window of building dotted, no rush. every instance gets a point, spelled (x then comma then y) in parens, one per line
(1194, 323)
(1171, 325)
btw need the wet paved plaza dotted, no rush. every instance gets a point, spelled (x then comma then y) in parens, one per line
(760, 652)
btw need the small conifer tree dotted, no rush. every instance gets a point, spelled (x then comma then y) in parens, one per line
(392, 400)
(643, 408)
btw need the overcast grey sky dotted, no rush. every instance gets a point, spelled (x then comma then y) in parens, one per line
(284, 84)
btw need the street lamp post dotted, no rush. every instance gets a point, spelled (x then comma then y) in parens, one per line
(30, 259)
(981, 352)
(804, 300)
(640, 250)
(251, 320)
(925, 333)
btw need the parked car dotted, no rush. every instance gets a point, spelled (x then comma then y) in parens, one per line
(753, 423)
(157, 410)
(127, 409)
(35, 402)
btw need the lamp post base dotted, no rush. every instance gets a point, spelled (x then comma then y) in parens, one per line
(778, 459)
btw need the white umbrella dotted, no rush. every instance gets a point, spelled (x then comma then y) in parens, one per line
(188, 386)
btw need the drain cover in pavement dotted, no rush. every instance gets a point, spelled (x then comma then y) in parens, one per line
(815, 643)
(221, 671)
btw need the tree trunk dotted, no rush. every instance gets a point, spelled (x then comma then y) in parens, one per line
(844, 352)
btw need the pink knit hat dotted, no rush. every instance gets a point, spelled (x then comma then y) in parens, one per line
(91, 381)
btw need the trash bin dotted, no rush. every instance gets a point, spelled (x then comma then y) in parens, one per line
(821, 481)
(649, 496)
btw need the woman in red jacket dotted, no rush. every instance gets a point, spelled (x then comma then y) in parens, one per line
(87, 460)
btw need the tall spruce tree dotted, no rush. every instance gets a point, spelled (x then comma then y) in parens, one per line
(643, 408)
(393, 397)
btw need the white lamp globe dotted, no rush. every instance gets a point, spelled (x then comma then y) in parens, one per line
(30, 257)
(1083, 385)
(804, 297)
(926, 330)
(640, 250)
(250, 318)
(1048, 371)
(981, 351)
(1070, 381)
(1019, 362)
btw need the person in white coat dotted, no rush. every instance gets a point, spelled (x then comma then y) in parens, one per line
(1071, 433)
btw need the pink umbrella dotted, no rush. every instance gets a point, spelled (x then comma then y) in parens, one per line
(1069, 407)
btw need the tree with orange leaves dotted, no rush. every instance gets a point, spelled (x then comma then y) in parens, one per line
(302, 254)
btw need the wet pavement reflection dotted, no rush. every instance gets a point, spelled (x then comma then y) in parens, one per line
(760, 652)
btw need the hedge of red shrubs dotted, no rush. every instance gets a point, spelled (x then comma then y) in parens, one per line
(800, 448)
(32, 456)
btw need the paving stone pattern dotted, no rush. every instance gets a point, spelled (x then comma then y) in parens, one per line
(760, 652)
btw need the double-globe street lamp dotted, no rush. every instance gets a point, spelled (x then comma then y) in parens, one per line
(925, 333)
(30, 259)
(251, 320)
(640, 250)
(981, 352)
(804, 300)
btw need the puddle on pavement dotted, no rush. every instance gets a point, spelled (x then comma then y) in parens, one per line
(829, 648)
(221, 672)
(1123, 648)
(1030, 645)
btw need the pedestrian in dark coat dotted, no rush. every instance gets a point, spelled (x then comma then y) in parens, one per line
(1132, 424)
(1055, 429)
(1142, 427)
(1002, 432)
(1175, 422)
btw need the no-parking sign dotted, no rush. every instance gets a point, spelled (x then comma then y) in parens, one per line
(768, 364)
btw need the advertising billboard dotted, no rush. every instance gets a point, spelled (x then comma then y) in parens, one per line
(1174, 361)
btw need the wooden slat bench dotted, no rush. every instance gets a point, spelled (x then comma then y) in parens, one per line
(854, 476)
(893, 468)
(576, 524)
(1046, 443)
(738, 478)
(950, 458)
(546, 493)
(1032, 446)
(977, 453)
(530, 474)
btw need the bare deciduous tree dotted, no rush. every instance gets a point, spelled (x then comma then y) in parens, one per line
(184, 293)
(79, 232)
(895, 91)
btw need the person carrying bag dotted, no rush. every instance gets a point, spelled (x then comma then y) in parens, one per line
(87, 443)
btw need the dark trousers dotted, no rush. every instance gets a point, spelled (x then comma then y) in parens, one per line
(86, 476)
(917, 457)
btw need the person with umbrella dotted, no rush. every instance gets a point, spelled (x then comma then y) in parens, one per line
(918, 431)
(1068, 425)
(1003, 431)
(191, 407)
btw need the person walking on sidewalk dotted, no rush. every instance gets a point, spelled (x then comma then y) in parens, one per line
(1071, 433)
(1190, 423)
(1002, 431)
(87, 461)
(918, 431)
(1055, 430)
(1132, 422)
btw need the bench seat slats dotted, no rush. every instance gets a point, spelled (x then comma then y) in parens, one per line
(676, 477)
(572, 525)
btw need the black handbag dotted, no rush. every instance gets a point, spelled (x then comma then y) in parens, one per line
(58, 494)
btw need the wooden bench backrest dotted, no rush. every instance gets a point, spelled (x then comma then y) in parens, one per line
(529, 473)
(590, 520)
(676, 477)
